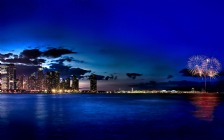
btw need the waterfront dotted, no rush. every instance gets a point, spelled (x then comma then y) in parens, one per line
(111, 116)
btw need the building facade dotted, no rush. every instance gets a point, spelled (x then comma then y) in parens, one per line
(52, 81)
(32, 82)
(93, 83)
(40, 80)
(8, 77)
(75, 83)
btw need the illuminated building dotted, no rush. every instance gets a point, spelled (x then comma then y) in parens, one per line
(52, 81)
(25, 83)
(21, 82)
(62, 84)
(32, 82)
(7, 77)
(93, 83)
(75, 83)
(40, 79)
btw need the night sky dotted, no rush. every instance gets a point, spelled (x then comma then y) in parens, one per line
(124, 42)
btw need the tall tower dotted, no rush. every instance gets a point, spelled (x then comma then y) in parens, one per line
(32, 82)
(93, 83)
(40, 79)
(4, 77)
(8, 77)
(52, 80)
(75, 83)
(11, 73)
(21, 82)
(67, 83)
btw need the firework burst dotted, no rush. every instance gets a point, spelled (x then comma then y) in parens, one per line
(212, 67)
(202, 66)
(195, 65)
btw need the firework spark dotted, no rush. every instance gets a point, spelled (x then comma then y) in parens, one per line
(195, 65)
(201, 65)
(212, 67)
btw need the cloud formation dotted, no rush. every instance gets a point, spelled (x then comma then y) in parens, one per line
(31, 54)
(32, 58)
(169, 76)
(185, 72)
(133, 75)
(69, 59)
(57, 52)
(68, 70)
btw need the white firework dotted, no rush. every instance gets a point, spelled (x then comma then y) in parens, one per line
(212, 67)
(195, 65)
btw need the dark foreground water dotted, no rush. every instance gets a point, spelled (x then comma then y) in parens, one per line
(111, 117)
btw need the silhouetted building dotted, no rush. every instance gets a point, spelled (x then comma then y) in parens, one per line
(93, 83)
(75, 83)
(67, 83)
(7, 77)
(52, 80)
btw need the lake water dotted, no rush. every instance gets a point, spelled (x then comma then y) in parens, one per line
(111, 117)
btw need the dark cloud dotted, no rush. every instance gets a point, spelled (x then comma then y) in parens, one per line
(111, 77)
(23, 61)
(31, 54)
(60, 67)
(133, 75)
(57, 52)
(31, 57)
(100, 77)
(68, 59)
(185, 72)
(7, 55)
(169, 76)
(15, 59)
(50, 52)
(68, 70)
(79, 72)
(40, 61)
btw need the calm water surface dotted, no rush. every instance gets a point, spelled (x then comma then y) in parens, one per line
(111, 117)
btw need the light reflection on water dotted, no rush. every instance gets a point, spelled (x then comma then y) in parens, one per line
(205, 106)
(112, 117)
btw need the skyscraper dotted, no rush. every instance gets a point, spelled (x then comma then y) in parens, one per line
(21, 82)
(40, 79)
(67, 83)
(93, 83)
(7, 77)
(52, 80)
(75, 84)
(11, 76)
(32, 82)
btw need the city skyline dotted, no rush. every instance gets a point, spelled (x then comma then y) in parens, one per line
(125, 43)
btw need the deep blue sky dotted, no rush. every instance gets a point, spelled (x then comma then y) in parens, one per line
(152, 38)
